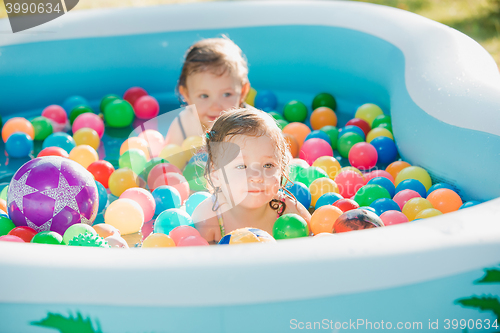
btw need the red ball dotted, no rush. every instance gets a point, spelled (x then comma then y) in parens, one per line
(146, 107)
(346, 205)
(363, 156)
(365, 127)
(53, 151)
(11, 238)
(175, 180)
(159, 170)
(133, 94)
(392, 217)
(55, 113)
(314, 148)
(349, 182)
(101, 170)
(192, 241)
(402, 197)
(25, 233)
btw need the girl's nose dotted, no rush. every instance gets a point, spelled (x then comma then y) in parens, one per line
(216, 106)
(255, 175)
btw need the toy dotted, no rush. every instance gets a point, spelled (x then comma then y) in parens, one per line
(19, 145)
(333, 133)
(386, 149)
(101, 170)
(301, 193)
(192, 241)
(171, 218)
(121, 180)
(266, 100)
(295, 111)
(89, 240)
(346, 205)
(415, 205)
(323, 219)
(133, 159)
(356, 219)
(445, 200)
(395, 167)
(78, 111)
(136, 142)
(42, 127)
(290, 226)
(146, 107)
(324, 99)
(382, 205)
(154, 139)
(321, 186)
(158, 240)
(293, 145)
(173, 179)
(298, 130)
(385, 183)
(17, 124)
(402, 197)
(61, 140)
(144, 198)
(11, 238)
(194, 200)
(328, 199)
(118, 113)
(346, 141)
(87, 136)
(126, 215)
(158, 170)
(362, 124)
(414, 172)
(133, 94)
(377, 132)
(194, 174)
(25, 233)
(84, 155)
(349, 182)
(246, 235)
(166, 197)
(183, 231)
(426, 213)
(106, 100)
(89, 120)
(47, 237)
(369, 193)
(412, 184)
(363, 156)
(393, 217)
(323, 116)
(53, 151)
(368, 112)
(314, 148)
(105, 230)
(6, 225)
(77, 229)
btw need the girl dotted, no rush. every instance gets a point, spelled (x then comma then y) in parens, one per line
(247, 163)
(214, 78)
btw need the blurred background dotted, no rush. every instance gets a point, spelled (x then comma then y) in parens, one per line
(479, 19)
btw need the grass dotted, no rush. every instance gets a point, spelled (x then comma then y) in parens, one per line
(479, 19)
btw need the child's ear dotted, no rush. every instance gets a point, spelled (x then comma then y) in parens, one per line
(184, 93)
(244, 92)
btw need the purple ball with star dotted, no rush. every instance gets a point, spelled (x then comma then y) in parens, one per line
(52, 193)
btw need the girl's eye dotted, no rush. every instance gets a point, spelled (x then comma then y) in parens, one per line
(268, 165)
(241, 166)
(228, 94)
(203, 96)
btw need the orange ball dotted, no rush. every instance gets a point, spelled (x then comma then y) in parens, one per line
(323, 116)
(395, 167)
(105, 230)
(121, 180)
(298, 130)
(158, 240)
(445, 200)
(84, 155)
(3, 205)
(292, 144)
(323, 218)
(17, 124)
(135, 142)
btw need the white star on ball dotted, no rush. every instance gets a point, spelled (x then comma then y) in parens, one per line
(64, 194)
(43, 227)
(18, 189)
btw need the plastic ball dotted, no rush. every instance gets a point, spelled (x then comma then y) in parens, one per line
(176, 180)
(393, 217)
(17, 124)
(246, 235)
(126, 215)
(3, 193)
(290, 226)
(357, 219)
(88, 240)
(301, 193)
(440, 185)
(250, 99)
(154, 139)
(323, 219)
(3, 206)
(135, 142)
(346, 141)
(308, 175)
(351, 168)
(314, 148)
(61, 140)
(121, 180)
(445, 200)
(144, 198)
(266, 100)
(194, 175)
(192, 241)
(116, 241)
(105, 230)
(413, 206)
(382, 120)
(183, 231)
(328, 164)
(19, 145)
(414, 172)
(369, 193)
(401, 198)
(386, 149)
(378, 132)
(276, 115)
(349, 182)
(295, 111)
(193, 143)
(333, 134)
(84, 155)
(47, 237)
(292, 144)
(324, 99)
(194, 200)
(11, 238)
(346, 205)
(89, 120)
(319, 135)
(412, 184)
(57, 115)
(352, 129)
(42, 126)
(298, 130)
(25, 233)
(395, 167)
(101, 170)
(118, 114)
(87, 136)
(166, 197)
(106, 100)
(53, 151)
(321, 186)
(171, 218)
(158, 172)
(77, 229)
(103, 197)
(6, 225)
(133, 159)
(323, 116)
(361, 124)
(426, 213)
(328, 199)
(363, 156)
(299, 162)
(282, 123)
(174, 155)
(294, 171)
(384, 204)
(378, 173)
(469, 204)
(158, 240)
(71, 102)
(368, 112)
(78, 111)
(146, 107)
(133, 94)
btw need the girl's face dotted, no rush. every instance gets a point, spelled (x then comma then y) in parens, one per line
(213, 94)
(253, 177)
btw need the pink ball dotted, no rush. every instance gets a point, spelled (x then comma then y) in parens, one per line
(89, 120)
(175, 180)
(159, 170)
(392, 217)
(192, 241)
(183, 231)
(116, 241)
(363, 156)
(403, 196)
(144, 198)
(133, 94)
(154, 139)
(11, 238)
(146, 107)
(314, 148)
(55, 113)
(349, 182)
(378, 173)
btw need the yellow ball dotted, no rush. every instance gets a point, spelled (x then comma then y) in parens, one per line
(429, 212)
(251, 97)
(414, 172)
(368, 112)
(175, 155)
(351, 168)
(158, 240)
(378, 131)
(328, 164)
(414, 206)
(126, 215)
(87, 136)
(121, 180)
(191, 145)
(321, 186)
(84, 155)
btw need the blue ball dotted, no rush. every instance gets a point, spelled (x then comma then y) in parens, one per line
(200, 158)
(61, 140)
(170, 219)
(328, 199)
(71, 102)
(469, 204)
(352, 128)
(320, 135)
(103, 197)
(440, 185)
(383, 205)
(386, 149)
(166, 197)
(301, 193)
(194, 200)
(19, 145)
(412, 184)
(266, 100)
(385, 183)
(99, 219)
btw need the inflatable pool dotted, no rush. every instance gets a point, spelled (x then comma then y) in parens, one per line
(441, 89)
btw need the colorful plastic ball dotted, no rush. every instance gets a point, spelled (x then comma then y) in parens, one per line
(146, 107)
(245, 236)
(386, 149)
(19, 145)
(328, 164)
(349, 182)
(299, 162)
(295, 111)
(298, 130)
(47, 237)
(105, 230)
(176, 180)
(61, 140)
(138, 143)
(357, 219)
(282, 123)
(321, 186)
(352, 129)
(382, 121)
(395, 167)
(426, 213)
(158, 171)
(11, 238)
(414, 172)
(266, 100)
(402, 197)
(378, 132)
(144, 198)
(3, 206)
(333, 134)
(328, 199)
(351, 168)
(103, 197)
(6, 225)
(175, 155)
(133, 94)
(469, 204)
(52, 193)
(71, 102)
(294, 171)
(346, 205)
(369, 193)
(25, 233)
(301, 193)
(116, 241)
(323, 116)
(171, 218)
(192, 241)
(17, 124)
(3, 193)
(412, 184)
(323, 219)
(346, 141)
(308, 175)
(290, 226)
(324, 99)
(384, 204)
(183, 231)
(363, 156)
(314, 148)
(368, 112)
(158, 240)
(194, 175)
(53, 151)
(319, 135)
(89, 120)
(276, 115)
(87, 136)
(121, 180)
(42, 126)
(126, 215)
(440, 185)
(78, 111)
(250, 99)
(106, 100)
(360, 123)
(77, 229)
(393, 217)
(378, 173)
(371, 209)
(133, 159)
(385, 183)
(413, 206)
(101, 170)
(445, 200)
(84, 155)
(292, 144)
(194, 200)
(199, 158)
(118, 114)
(166, 197)
(154, 139)
(57, 115)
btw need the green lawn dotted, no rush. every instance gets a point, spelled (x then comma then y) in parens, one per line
(479, 19)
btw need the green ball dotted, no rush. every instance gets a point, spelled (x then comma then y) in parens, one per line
(42, 126)
(382, 119)
(47, 237)
(295, 111)
(78, 110)
(369, 193)
(324, 99)
(386, 126)
(106, 100)
(150, 165)
(194, 175)
(90, 240)
(307, 176)
(77, 229)
(134, 159)
(3, 194)
(290, 226)
(333, 133)
(282, 123)
(276, 115)
(346, 141)
(295, 170)
(6, 225)
(119, 113)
